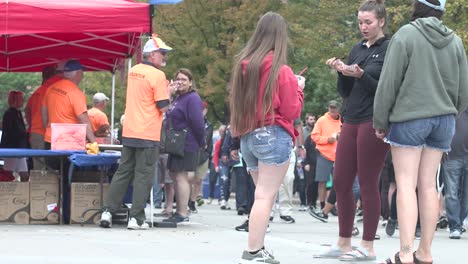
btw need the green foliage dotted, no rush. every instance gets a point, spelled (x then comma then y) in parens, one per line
(25, 82)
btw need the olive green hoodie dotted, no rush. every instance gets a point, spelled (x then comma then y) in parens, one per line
(425, 74)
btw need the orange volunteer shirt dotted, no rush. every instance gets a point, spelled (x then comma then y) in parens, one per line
(324, 128)
(35, 104)
(146, 85)
(64, 102)
(98, 118)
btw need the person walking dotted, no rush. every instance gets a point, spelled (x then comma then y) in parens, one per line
(359, 151)
(423, 86)
(147, 99)
(266, 98)
(455, 171)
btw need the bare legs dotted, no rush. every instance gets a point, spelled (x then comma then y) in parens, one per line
(267, 181)
(182, 188)
(416, 167)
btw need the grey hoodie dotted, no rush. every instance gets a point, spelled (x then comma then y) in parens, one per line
(425, 74)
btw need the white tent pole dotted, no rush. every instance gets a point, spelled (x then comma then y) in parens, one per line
(112, 109)
(129, 64)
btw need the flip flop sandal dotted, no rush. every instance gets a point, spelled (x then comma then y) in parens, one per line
(332, 252)
(417, 261)
(358, 254)
(397, 260)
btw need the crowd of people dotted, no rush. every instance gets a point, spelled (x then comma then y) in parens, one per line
(379, 152)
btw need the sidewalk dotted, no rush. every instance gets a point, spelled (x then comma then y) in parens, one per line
(210, 238)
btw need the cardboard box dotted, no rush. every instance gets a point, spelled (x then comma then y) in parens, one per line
(86, 176)
(44, 193)
(86, 197)
(14, 202)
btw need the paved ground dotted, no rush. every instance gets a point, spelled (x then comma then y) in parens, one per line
(210, 238)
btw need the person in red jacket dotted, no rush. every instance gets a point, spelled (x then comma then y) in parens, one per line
(266, 98)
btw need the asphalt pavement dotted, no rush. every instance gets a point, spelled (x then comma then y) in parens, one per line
(209, 238)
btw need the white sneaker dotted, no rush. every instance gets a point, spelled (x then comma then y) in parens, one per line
(106, 219)
(133, 225)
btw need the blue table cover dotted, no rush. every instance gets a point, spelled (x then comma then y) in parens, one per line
(103, 158)
(23, 152)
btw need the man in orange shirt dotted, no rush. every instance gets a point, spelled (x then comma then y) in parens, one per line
(32, 111)
(64, 102)
(97, 116)
(325, 135)
(147, 99)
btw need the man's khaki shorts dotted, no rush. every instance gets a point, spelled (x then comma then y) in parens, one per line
(202, 170)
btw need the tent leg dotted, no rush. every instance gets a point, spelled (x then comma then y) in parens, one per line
(112, 109)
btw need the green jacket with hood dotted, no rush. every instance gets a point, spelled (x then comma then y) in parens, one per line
(425, 74)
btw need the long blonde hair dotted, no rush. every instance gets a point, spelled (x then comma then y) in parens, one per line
(271, 34)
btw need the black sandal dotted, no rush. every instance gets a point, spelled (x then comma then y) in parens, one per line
(417, 261)
(397, 260)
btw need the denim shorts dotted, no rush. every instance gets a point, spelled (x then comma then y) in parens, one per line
(433, 132)
(270, 145)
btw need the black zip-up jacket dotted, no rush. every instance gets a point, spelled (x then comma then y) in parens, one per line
(14, 133)
(358, 94)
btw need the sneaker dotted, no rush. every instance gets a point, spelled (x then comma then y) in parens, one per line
(177, 218)
(225, 205)
(192, 208)
(302, 208)
(200, 201)
(133, 225)
(417, 233)
(390, 227)
(355, 231)
(319, 215)
(261, 256)
(243, 227)
(106, 219)
(455, 234)
(287, 219)
(210, 201)
(241, 211)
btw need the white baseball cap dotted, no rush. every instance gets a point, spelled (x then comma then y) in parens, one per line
(155, 43)
(99, 97)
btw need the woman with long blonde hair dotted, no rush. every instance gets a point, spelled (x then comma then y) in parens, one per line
(265, 98)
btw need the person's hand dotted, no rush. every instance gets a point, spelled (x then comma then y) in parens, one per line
(352, 71)
(331, 140)
(335, 64)
(307, 167)
(380, 133)
(234, 154)
(224, 159)
(173, 86)
(217, 169)
(301, 81)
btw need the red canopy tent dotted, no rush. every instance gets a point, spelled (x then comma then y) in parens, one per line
(100, 33)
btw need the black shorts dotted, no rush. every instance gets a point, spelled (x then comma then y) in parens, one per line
(188, 163)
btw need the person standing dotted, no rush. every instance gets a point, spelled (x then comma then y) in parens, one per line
(455, 171)
(423, 86)
(325, 136)
(266, 98)
(98, 117)
(185, 113)
(32, 112)
(147, 99)
(359, 151)
(14, 134)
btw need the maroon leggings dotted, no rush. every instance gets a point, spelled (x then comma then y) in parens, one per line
(359, 152)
